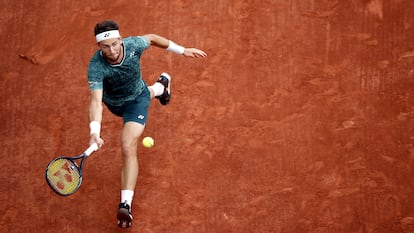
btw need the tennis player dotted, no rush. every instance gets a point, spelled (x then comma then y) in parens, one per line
(115, 79)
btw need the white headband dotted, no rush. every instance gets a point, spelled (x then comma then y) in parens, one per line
(107, 35)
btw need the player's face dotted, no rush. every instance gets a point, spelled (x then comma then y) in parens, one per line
(111, 49)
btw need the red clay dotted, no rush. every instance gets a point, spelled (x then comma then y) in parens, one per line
(300, 120)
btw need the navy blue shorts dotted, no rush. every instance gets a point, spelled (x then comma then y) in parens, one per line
(134, 110)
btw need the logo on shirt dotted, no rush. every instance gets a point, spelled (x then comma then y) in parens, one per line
(132, 54)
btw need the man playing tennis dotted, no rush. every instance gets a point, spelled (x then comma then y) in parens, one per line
(115, 78)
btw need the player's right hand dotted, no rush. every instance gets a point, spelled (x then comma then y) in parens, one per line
(96, 139)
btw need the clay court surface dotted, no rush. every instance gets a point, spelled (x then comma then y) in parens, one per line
(301, 118)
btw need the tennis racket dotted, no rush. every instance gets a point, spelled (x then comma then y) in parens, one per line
(64, 175)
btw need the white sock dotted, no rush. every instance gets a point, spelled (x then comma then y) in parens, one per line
(158, 88)
(127, 196)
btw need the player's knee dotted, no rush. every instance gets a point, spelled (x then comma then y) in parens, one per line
(129, 149)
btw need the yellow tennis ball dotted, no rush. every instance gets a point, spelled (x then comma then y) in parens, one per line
(148, 142)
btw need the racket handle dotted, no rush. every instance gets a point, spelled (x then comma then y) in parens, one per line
(91, 149)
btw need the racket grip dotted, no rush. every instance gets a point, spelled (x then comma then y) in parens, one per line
(91, 149)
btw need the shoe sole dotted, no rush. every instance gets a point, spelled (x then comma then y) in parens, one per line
(168, 77)
(124, 218)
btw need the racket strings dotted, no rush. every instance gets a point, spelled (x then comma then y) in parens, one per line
(63, 175)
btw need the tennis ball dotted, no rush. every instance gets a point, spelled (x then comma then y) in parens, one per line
(148, 142)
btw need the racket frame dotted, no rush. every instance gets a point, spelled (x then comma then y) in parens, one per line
(73, 159)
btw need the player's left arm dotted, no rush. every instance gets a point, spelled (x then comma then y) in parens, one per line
(164, 43)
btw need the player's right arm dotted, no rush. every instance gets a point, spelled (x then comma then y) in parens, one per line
(95, 116)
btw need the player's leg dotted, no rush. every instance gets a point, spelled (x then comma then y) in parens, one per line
(130, 135)
(135, 116)
(161, 89)
(130, 168)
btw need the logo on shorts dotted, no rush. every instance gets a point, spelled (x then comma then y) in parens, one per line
(141, 117)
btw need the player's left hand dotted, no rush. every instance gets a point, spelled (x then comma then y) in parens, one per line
(194, 53)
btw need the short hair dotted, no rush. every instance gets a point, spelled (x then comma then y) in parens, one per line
(106, 25)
